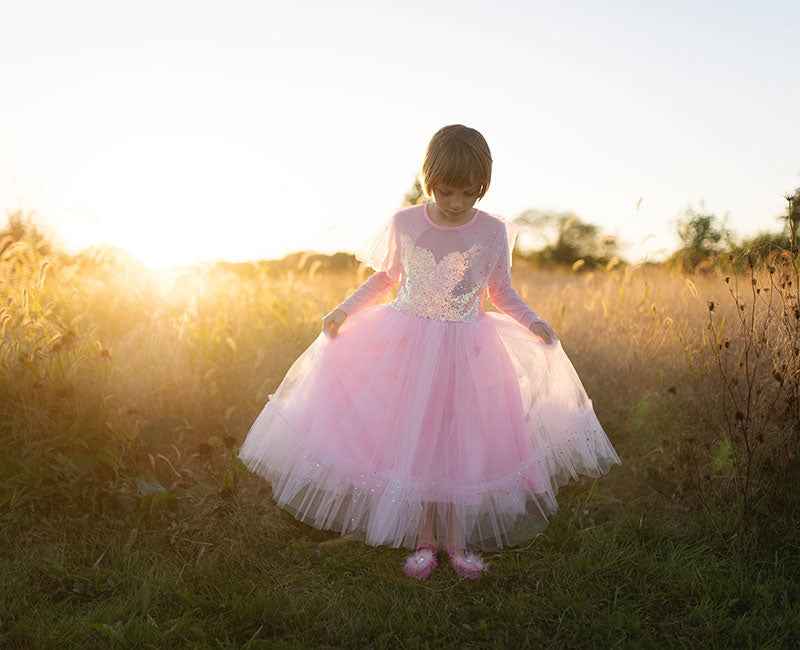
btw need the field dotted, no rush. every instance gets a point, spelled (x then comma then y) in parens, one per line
(128, 521)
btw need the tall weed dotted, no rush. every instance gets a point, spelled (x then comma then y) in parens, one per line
(751, 427)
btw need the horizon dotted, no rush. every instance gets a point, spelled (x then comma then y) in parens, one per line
(522, 251)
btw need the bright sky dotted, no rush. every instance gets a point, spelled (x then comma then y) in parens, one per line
(198, 130)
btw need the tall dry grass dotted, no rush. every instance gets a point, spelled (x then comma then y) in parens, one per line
(124, 393)
(125, 381)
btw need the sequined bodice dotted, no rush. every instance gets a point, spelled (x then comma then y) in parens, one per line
(444, 289)
(441, 270)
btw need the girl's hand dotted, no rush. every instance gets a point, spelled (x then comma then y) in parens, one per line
(543, 331)
(332, 322)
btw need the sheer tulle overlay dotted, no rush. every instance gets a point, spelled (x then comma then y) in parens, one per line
(468, 425)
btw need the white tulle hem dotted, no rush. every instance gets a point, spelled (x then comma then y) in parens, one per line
(387, 509)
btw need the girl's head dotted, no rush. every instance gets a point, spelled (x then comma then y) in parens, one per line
(457, 157)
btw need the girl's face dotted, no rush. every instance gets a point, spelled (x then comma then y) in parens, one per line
(455, 203)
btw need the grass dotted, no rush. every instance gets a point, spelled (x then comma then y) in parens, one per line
(128, 521)
(241, 572)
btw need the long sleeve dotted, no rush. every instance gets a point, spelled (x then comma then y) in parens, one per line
(501, 292)
(381, 252)
(375, 286)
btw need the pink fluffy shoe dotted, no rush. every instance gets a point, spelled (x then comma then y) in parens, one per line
(467, 564)
(421, 562)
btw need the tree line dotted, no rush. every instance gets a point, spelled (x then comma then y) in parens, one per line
(561, 239)
(546, 239)
(705, 239)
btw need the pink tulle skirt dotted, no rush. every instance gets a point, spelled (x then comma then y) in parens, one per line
(469, 427)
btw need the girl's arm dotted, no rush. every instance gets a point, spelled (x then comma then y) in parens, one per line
(503, 295)
(376, 285)
(381, 252)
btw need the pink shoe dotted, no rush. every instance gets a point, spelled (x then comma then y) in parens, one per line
(469, 565)
(421, 562)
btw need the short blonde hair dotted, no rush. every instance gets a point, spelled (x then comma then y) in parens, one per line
(457, 156)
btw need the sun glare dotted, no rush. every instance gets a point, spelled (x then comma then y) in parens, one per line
(174, 198)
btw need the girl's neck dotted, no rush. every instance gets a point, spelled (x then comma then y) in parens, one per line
(440, 219)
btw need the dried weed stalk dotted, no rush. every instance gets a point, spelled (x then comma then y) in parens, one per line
(756, 357)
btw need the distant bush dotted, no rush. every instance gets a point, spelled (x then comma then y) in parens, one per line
(759, 248)
(568, 240)
(704, 239)
(294, 262)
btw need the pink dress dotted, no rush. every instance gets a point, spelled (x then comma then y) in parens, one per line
(429, 407)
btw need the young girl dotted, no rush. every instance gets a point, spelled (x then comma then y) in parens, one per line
(428, 422)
